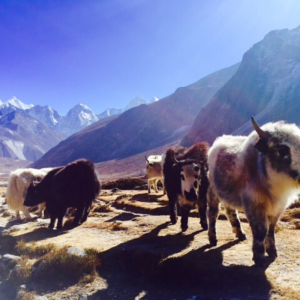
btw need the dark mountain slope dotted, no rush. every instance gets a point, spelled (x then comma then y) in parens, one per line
(266, 85)
(141, 128)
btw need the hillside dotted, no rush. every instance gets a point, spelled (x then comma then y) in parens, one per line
(141, 128)
(25, 138)
(142, 256)
(266, 85)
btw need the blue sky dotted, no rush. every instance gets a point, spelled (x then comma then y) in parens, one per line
(104, 53)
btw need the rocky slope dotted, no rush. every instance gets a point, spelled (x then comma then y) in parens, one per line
(141, 128)
(266, 85)
(23, 137)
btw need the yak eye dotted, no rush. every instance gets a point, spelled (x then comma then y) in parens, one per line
(182, 177)
(196, 169)
(283, 150)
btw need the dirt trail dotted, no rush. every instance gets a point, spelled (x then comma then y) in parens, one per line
(144, 257)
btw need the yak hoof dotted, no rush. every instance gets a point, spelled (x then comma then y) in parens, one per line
(173, 221)
(272, 253)
(242, 236)
(204, 225)
(184, 228)
(259, 261)
(213, 242)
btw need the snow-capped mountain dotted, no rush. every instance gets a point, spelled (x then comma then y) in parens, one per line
(14, 102)
(110, 112)
(45, 114)
(135, 102)
(154, 99)
(25, 138)
(13, 105)
(79, 117)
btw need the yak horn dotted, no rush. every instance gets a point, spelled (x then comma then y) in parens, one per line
(262, 134)
(147, 159)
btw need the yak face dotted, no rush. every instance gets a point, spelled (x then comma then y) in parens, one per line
(285, 157)
(190, 181)
(33, 195)
(280, 143)
(153, 166)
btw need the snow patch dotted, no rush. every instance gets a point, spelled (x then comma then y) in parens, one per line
(16, 147)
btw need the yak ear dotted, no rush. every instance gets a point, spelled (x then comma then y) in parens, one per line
(262, 146)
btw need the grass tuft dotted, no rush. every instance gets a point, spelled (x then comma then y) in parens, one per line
(23, 295)
(58, 265)
(21, 273)
(33, 251)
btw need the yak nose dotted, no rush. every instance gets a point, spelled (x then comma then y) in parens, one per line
(191, 195)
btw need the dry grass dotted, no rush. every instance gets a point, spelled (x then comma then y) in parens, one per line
(53, 265)
(124, 184)
(115, 226)
(22, 295)
(33, 251)
(22, 272)
(59, 266)
(291, 214)
(101, 208)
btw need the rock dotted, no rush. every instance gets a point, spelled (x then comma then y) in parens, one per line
(10, 257)
(76, 251)
(122, 196)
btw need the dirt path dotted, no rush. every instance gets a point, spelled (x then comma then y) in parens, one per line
(144, 257)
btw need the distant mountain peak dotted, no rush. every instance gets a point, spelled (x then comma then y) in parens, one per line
(19, 104)
(136, 101)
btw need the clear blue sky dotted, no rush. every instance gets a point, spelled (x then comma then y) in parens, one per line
(104, 53)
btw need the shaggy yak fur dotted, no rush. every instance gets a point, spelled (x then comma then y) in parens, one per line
(18, 183)
(259, 174)
(75, 185)
(186, 182)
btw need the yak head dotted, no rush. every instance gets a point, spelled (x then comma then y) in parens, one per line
(33, 196)
(190, 177)
(279, 142)
(153, 166)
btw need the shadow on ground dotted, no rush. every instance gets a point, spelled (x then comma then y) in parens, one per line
(158, 267)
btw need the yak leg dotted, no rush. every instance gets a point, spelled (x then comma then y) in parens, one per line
(60, 217)
(78, 216)
(18, 217)
(41, 209)
(202, 206)
(184, 218)
(25, 211)
(258, 222)
(155, 185)
(86, 212)
(202, 202)
(233, 218)
(53, 216)
(270, 238)
(173, 209)
(149, 185)
(213, 213)
(163, 185)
